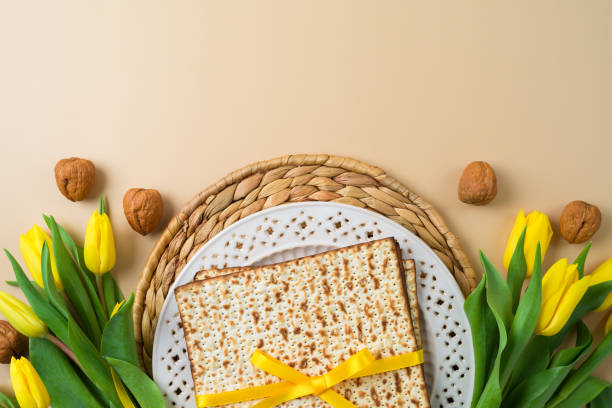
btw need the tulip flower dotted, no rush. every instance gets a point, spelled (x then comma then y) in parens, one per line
(601, 274)
(21, 316)
(99, 243)
(30, 245)
(538, 229)
(29, 388)
(561, 292)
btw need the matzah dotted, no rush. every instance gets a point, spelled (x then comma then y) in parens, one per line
(312, 314)
(409, 277)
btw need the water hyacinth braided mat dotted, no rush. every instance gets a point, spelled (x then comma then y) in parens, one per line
(265, 184)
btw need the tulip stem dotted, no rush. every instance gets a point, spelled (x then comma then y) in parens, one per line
(63, 347)
(101, 293)
(72, 309)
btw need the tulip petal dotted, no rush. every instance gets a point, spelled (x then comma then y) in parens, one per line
(21, 316)
(567, 305)
(107, 245)
(538, 230)
(29, 388)
(92, 244)
(31, 258)
(603, 273)
(517, 230)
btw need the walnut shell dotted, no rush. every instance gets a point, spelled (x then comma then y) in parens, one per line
(143, 209)
(12, 343)
(579, 221)
(75, 177)
(478, 184)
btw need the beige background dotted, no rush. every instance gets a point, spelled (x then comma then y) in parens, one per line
(174, 95)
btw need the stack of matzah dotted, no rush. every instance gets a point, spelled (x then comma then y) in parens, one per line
(312, 313)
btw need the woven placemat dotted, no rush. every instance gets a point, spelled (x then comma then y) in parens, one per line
(275, 182)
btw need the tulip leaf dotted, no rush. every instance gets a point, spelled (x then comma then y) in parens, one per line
(525, 321)
(517, 271)
(484, 335)
(41, 306)
(140, 385)
(500, 305)
(498, 292)
(52, 293)
(538, 386)
(6, 402)
(585, 393)
(583, 371)
(581, 259)
(60, 377)
(91, 361)
(112, 293)
(603, 400)
(534, 358)
(534, 386)
(73, 285)
(11, 283)
(584, 341)
(592, 299)
(118, 337)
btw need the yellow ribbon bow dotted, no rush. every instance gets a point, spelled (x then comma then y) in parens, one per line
(298, 385)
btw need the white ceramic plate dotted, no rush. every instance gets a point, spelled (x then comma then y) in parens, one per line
(294, 230)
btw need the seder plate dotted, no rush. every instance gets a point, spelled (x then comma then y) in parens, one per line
(295, 230)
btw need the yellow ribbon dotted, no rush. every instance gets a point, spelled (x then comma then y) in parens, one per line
(298, 385)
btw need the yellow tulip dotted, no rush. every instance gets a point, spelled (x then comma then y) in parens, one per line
(561, 292)
(99, 244)
(29, 388)
(538, 230)
(21, 316)
(117, 307)
(30, 245)
(603, 273)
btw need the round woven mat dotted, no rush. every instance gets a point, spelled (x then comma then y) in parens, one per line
(275, 182)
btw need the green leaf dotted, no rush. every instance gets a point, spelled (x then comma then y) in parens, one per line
(603, 400)
(73, 285)
(112, 293)
(524, 322)
(538, 386)
(534, 358)
(5, 402)
(584, 341)
(585, 393)
(533, 387)
(566, 359)
(43, 309)
(102, 207)
(484, 336)
(11, 283)
(498, 292)
(586, 368)
(60, 377)
(52, 293)
(517, 271)
(581, 259)
(592, 299)
(118, 337)
(91, 361)
(140, 385)
(499, 301)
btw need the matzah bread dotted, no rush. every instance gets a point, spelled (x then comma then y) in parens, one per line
(312, 314)
(409, 277)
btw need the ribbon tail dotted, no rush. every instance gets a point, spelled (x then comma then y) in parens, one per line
(247, 394)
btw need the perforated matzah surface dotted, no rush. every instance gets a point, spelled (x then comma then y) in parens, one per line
(311, 313)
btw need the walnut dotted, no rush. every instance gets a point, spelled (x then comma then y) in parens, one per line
(143, 209)
(478, 184)
(579, 221)
(75, 177)
(12, 343)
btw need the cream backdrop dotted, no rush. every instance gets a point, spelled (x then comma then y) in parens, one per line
(174, 95)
